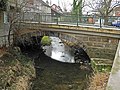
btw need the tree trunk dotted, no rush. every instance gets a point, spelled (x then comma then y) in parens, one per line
(9, 34)
(106, 20)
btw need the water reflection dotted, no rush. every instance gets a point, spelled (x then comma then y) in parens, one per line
(59, 51)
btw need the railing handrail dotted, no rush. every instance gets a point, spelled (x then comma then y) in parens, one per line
(5, 35)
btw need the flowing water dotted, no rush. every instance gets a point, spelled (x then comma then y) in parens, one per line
(59, 51)
(56, 70)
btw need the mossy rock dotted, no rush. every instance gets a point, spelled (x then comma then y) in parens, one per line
(46, 40)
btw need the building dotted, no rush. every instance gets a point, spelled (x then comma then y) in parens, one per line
(116, 11)
(3, 17)
(56, 10)
(4, 20)
(37, 6)
(36, 10)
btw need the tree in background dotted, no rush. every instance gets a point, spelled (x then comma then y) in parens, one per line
(78, 6)
(104, 7)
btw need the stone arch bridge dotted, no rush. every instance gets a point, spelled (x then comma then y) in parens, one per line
(100, 42)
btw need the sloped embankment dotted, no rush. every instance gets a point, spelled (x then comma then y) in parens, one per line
(16, 70)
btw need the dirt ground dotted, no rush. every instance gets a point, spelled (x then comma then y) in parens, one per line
(55, 75)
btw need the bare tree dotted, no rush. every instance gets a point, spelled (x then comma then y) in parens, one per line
(14, 17)
(64, 6)
(104, 7)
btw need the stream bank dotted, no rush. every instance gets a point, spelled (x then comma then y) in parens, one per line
(16, 70)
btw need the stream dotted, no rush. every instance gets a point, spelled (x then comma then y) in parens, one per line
(56, 70)
(59, 51)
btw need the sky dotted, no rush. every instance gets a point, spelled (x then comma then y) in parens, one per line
(63, 3)
(66, 4)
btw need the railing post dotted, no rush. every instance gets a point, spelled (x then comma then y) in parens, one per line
(46, 17)
(23, 17)
(77, 19)
(57, 19)
(39, 17)
(100, 22)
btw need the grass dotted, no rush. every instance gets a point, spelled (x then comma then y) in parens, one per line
(98, 81)
(102, 65)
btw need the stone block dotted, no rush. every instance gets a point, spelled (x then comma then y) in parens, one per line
(105, 39)
(98, 39)
(92, 39)
(114, 41)
(85, 39)
(89, 43)
(98, 44)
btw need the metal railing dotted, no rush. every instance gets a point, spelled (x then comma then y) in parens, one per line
(70, 19)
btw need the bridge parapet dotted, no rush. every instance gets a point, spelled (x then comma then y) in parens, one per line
(114, 79)
(110, 32)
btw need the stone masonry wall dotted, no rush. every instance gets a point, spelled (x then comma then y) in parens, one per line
(97, 46)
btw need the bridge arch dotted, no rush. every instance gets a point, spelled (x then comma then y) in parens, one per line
(100, 43)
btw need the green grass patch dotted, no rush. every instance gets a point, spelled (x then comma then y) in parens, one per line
(101, 65)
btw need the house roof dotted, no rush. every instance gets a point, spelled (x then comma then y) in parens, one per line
(38, 1)
(117, 8)
(45, 4)
(56, 8)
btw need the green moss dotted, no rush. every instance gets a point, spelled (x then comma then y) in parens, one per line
(101, 65)
(46, 40)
